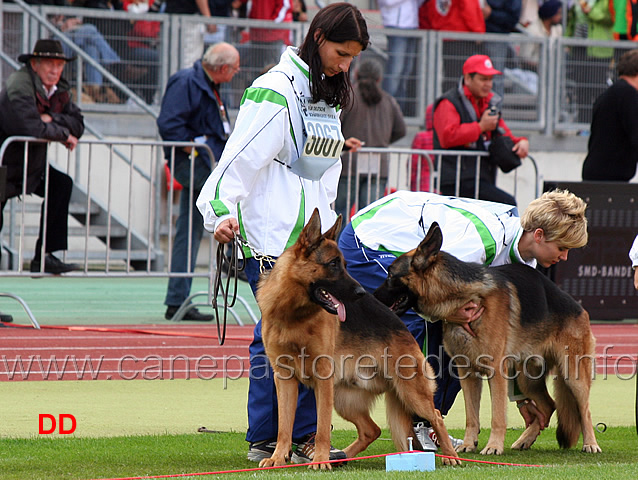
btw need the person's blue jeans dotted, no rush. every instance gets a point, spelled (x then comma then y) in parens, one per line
(370, 268)
(179, 288)
(400, 68)
(89, 39)
(262, 394)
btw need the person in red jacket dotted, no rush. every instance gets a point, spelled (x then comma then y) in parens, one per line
(464, 120)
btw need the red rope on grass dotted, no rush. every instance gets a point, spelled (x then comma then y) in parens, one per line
(169, 333)
(293, 465)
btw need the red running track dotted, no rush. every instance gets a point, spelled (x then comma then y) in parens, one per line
(193, 351)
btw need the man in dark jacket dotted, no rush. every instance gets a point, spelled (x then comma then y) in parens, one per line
(612, 154)
(192, 110)
(464, 120)
(37, 102)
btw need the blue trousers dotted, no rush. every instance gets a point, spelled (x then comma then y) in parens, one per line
(370, 268)
(179, 288)
(262, 395)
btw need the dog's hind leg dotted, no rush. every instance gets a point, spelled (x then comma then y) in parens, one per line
(416, 397)
(354, 404)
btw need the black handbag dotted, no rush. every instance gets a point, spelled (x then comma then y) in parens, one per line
(501, 153)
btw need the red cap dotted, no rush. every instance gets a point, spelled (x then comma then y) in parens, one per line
(480, 64)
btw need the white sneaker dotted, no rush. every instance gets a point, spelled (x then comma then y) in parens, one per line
(422, 433)
(429, 438)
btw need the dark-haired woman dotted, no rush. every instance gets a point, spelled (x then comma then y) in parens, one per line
(280, 163)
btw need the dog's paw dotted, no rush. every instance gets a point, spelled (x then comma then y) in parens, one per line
(523, 443)
(272, 462)
(492, 450)
(465, 447)
(451, 461)
(320, 466)
(593, 448)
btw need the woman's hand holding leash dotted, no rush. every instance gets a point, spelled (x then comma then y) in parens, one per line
(226, 230)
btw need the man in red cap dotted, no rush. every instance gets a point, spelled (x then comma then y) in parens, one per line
(465, 118)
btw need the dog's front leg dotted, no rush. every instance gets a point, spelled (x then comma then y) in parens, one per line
(324, 394)
(287, 392)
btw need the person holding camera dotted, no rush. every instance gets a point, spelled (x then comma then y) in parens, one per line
(466, 118)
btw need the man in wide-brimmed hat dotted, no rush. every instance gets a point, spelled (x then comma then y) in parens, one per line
(37, 102)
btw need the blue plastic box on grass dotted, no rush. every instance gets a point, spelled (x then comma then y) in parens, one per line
(414, 461)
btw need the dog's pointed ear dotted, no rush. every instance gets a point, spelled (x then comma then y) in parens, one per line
(428, 249)
(311, 234)
(333, 233)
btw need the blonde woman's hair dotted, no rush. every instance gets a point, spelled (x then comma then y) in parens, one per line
(561, 215)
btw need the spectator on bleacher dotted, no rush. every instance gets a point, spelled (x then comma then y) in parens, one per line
(219, 8)
(501, 17)
(529, 12)
(613, 143)
(453, 16)
(268, 44)
(592, 19)
(463, 120)
(88, 38)
(299, 11)
(619, 14)
(423, 140)
(143, 57)
(548, 24)
(192, 110)
(193, 39)
(402, 51)
(375, 118)
(37, 102)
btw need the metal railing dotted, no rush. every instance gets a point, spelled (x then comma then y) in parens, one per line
(379, 171)
(124, 214)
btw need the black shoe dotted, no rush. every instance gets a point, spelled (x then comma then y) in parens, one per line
(193, 314)
(260, 450)
(52, 265)
(6, 318)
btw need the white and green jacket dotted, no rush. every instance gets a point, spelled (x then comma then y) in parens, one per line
(473, 230)
(253, 181)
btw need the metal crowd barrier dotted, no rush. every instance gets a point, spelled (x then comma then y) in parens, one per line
(122, 210)
(371, 173)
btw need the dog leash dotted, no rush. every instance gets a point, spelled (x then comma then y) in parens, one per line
(219, 288)
(236, 263)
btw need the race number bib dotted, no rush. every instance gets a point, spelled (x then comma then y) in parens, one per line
(323, 140)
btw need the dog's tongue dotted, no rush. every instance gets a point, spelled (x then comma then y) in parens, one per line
(341, 312)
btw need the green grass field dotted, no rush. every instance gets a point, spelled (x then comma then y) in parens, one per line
(149, 428)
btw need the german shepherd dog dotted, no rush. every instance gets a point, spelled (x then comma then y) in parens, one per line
(322, 329)
(528, 325)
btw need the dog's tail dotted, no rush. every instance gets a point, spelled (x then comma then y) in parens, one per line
(568, 413)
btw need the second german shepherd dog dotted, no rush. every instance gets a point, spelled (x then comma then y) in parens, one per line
(528, 329)
(322, 329)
